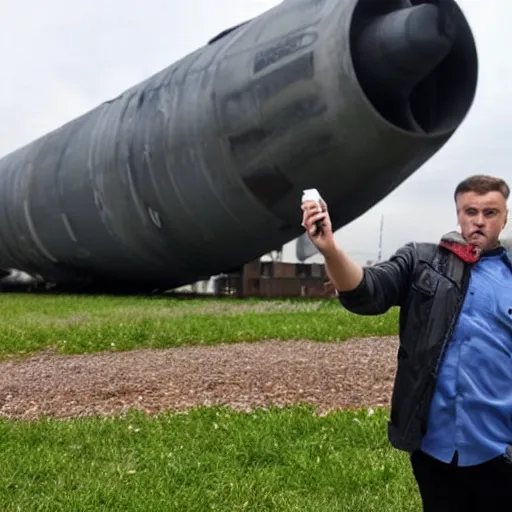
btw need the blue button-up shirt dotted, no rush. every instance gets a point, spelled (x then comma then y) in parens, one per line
(471, 410)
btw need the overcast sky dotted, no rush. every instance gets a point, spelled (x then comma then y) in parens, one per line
(59, 59)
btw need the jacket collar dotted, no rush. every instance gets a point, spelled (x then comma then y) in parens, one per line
(467, 252)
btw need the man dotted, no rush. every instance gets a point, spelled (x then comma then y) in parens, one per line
(451, 406)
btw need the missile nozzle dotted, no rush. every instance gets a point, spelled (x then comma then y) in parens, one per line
(398, 53)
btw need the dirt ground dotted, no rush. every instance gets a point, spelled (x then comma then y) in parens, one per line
(353, 373)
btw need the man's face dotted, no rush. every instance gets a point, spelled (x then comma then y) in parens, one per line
(481, 217)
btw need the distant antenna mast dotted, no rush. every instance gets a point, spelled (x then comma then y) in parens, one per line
(379, 258)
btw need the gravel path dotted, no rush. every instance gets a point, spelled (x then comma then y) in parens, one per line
(354, 373)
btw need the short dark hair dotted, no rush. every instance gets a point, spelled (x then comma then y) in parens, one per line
(482, 184)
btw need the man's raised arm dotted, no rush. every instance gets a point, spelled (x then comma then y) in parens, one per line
(367, 291)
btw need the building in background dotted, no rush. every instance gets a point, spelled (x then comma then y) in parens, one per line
(274, 279)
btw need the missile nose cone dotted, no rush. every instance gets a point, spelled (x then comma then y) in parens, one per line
(396, 51)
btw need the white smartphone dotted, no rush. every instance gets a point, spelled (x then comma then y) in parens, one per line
(312, 194)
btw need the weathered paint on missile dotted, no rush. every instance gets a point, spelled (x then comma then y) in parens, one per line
(200, 168)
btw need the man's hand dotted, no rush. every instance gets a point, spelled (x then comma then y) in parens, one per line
(343, 273)
(323, 239)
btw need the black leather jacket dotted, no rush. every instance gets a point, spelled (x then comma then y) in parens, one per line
(429, 283)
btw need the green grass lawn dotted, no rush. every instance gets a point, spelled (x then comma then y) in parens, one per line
(209, 459)
(74, 324)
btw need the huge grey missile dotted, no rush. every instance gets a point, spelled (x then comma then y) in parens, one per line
(200, 168)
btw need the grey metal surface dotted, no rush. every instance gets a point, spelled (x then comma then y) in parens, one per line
(304, 248)
(201, 167)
